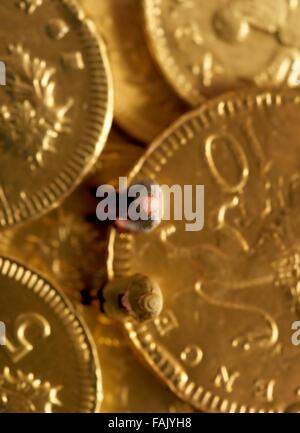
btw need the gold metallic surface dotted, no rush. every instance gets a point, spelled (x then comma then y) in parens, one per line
(127, 385)
(206, 47)
(48, 363)
(70, 251)
(76, 293)
(223, 340)
(144, 103)
(117, 159)
(56, 109)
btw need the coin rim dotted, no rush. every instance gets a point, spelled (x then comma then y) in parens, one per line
(75, 325)
(165, 60)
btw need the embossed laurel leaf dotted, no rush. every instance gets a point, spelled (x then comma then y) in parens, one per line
(21, 392)
(33, 119)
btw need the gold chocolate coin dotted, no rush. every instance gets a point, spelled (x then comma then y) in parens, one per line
(205, 47)
(231, 290)
(144, 103)
(56, 108)
(48, 361)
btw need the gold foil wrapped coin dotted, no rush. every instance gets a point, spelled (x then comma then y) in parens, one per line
(144, 102)
(48, 362)
(206, 47)
(56, 107)
(223, 341)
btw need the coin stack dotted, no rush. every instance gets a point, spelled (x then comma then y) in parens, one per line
(200, 312)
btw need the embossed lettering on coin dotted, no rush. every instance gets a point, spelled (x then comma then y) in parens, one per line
(231, 291)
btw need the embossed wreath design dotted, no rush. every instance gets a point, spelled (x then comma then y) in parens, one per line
(33, 119)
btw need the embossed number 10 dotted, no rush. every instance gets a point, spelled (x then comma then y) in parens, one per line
(234, 187)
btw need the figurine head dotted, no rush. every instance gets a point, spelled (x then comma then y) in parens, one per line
(144, 298)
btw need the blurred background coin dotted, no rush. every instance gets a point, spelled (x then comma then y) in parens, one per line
(208, 47)
(144, 103)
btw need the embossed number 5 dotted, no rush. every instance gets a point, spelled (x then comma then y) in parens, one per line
(24, 346)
